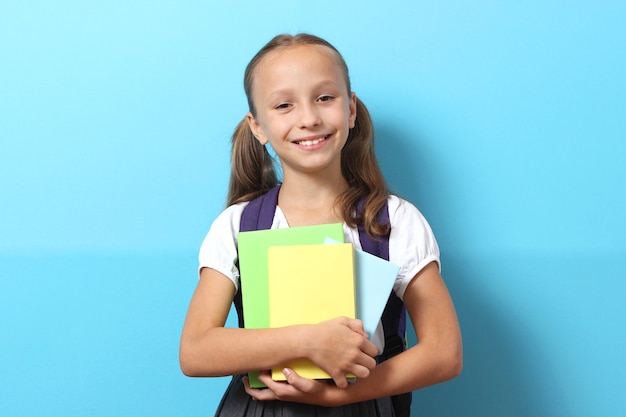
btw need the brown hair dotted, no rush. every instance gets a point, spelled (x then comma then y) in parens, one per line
(252, 167)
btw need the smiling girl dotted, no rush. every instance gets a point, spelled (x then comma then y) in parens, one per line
(301, 104)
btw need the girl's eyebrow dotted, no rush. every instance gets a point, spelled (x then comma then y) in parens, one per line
(279, 92)
(326, 83)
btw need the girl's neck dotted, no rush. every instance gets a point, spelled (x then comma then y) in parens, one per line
(308, 201)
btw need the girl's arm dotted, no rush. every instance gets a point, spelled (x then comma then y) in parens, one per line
(436, 358)
(207, 348)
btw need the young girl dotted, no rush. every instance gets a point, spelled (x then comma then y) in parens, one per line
(301, 104)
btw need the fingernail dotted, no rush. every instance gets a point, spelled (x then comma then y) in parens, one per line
(287, 371)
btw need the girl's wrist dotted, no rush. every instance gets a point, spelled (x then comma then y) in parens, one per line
(337, 397)
(301, 342)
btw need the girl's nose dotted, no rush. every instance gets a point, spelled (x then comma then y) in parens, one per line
(309, 116)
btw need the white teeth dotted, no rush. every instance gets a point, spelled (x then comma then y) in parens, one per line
(311, 142)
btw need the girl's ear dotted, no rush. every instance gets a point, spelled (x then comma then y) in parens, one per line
(256, 129)
(352, 115)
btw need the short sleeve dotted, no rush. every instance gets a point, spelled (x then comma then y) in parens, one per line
(412, 244)
(219, 248)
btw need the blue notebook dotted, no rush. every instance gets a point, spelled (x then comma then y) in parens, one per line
(374, 279)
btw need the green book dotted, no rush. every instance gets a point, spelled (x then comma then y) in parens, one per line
(253, 268)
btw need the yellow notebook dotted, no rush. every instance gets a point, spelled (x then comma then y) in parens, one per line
(309, 284)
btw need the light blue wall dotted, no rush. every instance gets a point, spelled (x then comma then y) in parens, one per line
(504, 122)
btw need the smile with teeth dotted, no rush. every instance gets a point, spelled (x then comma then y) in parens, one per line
(311, 142)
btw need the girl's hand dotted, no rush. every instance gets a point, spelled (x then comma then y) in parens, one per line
(340, 346)
(296, 389)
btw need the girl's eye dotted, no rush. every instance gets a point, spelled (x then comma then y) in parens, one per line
(282, 106)
(325, 98)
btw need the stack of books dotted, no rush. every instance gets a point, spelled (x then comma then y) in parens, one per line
(306, 275)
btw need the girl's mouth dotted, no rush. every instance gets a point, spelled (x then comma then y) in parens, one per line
(311, 142)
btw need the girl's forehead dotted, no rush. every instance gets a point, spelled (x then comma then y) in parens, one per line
(295, 52)
(298, 61)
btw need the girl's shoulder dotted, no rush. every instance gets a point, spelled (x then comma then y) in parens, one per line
(399, 209)
(230, 217)
(410, 231)
(219, 247)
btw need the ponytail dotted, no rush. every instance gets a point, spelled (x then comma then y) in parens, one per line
(252, 170)
(365, 179)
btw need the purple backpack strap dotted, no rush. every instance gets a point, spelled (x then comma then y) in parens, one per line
(259, 213)
(379, 248)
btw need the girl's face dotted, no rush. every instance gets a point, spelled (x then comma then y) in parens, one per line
(303, 108)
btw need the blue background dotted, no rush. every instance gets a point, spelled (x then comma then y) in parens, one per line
(504, 122)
